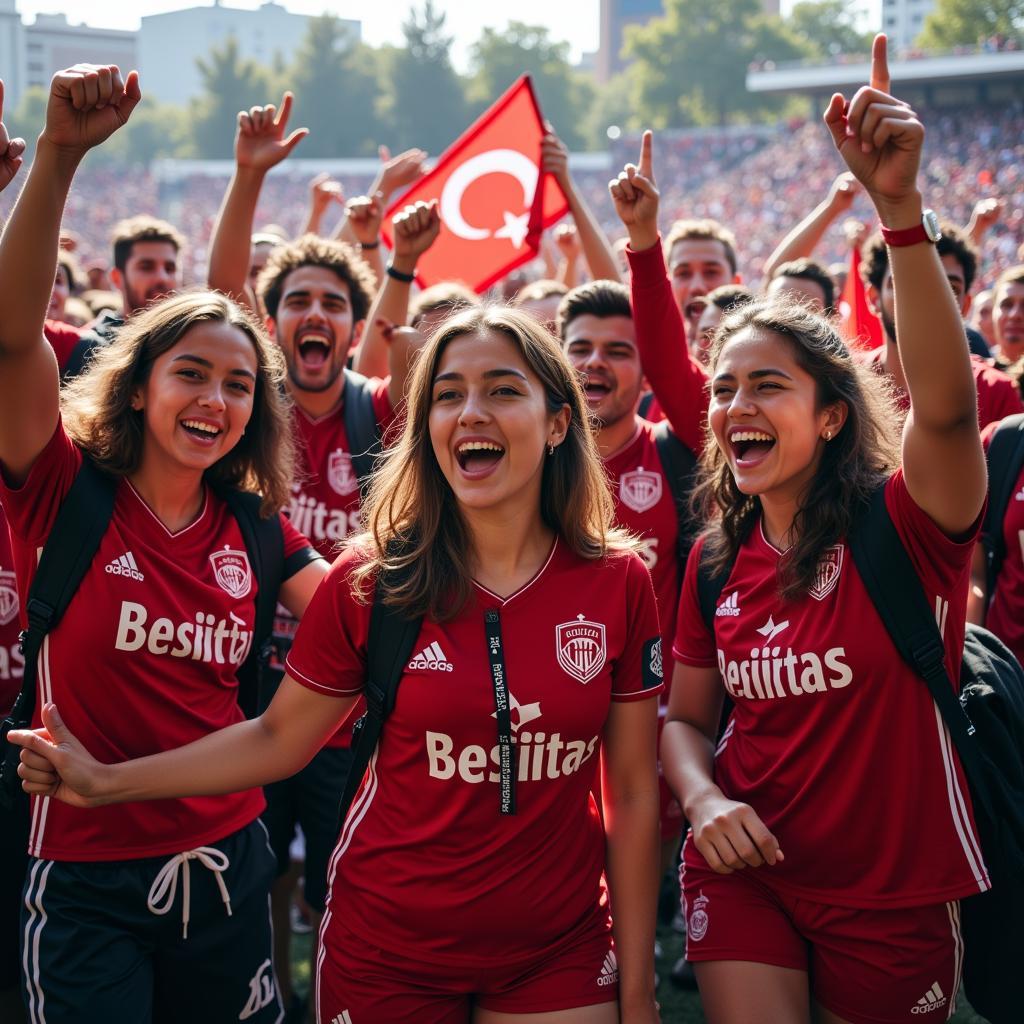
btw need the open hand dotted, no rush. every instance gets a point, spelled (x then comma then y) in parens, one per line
(261, 142)
(87, 104)
(323, 191)
(398, 171)
(879, 137)
(54, 763)
(636, 197)
(11, 150)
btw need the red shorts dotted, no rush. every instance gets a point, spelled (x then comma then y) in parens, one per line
(376, 987)
(868, 966)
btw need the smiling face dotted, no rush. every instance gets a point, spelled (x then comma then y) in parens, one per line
(198, 397)
(765, 417)
(603, 349)
(697, 266)
(314, 328)
(490, 425)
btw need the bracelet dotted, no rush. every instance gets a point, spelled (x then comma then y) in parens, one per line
(370, 245)
(398, 275)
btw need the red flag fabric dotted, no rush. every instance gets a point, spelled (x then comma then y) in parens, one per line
(858, 323)
(494, 201)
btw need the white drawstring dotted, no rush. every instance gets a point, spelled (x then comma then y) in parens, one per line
(165, 885)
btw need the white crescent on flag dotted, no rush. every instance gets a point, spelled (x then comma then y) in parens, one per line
(494, 161)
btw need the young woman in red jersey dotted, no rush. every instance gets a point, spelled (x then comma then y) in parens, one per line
(831, 833)
(144, 912)
(465, 890)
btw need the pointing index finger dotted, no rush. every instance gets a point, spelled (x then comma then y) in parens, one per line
(880, 79)
(1, 99)
(284, 111)
(646, 143)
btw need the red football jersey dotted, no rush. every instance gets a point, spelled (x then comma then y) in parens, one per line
(63, 338)
(425, 833)
(1005, 616)
(325, 500)
(644, 505)
(998, 394)
(834, 741)
(10, 626)
(144, 659)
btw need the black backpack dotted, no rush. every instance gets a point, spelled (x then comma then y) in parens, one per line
(680, 466)
(365, 443)
(1005, 458)
(69, 550)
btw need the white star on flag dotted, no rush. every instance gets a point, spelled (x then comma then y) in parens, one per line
(515, 229)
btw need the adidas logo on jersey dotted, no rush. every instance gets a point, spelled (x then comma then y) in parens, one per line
(730, 607)
(343, 1018)
(609, 969)
(933, 999)
(432, 657)
(125, 565)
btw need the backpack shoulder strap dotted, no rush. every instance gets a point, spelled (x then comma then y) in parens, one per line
(264, 543)
(391, 639)
(645, 405)
(679, 464)
(79, 527)
(1005, 456)
(899, 598)
(361, 425)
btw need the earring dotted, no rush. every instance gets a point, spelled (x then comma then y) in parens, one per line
(551, 449)
(828, 435)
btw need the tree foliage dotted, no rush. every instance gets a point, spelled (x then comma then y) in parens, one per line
(499, 58)
(693, 60)
(423, 101)
(966, 22)
(829, 26)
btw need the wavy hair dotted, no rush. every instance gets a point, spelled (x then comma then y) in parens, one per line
(415, 530)
(97, 412)
(853, 464)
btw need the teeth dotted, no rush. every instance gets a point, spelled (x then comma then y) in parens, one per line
(479, 446)
(315, 339)
(203, 427)
(750, 435)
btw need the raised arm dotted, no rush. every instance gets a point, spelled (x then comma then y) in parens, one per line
(804, 238)
(11, 150)
(86, 105)
(415, 229)
(597, 250)
(566, 239)
(880, 138)
(984, 217)
(324, 192)
(363, 215)
(678, 380)
(260, 143)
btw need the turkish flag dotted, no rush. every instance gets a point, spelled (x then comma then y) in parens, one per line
(493, 199)
(858, 324)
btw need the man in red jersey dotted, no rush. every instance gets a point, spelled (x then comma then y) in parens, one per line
(998, 396)
(315, 295)
(1008, 316)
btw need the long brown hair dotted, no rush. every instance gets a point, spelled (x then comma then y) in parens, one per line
(857, 460)
(97, 412)
(415, 528)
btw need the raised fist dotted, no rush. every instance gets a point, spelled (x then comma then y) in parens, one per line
(567, 239)
(843, 192)
(323, 191)
(415, 228)
(11, 150)
(87, 104)
(364, 216)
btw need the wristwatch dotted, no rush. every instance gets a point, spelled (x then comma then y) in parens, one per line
(926, 231)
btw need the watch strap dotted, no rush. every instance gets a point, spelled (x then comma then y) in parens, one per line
(905, 236)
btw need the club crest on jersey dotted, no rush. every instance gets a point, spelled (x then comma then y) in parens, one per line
(8, 597)
(340, 474)
(640, 489)
(231, 571)
(826, 576)
(581, 648)
(697, 926)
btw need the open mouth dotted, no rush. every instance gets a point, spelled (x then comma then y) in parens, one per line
(478, 457)
(200, 430)
(596, 390)
(695, 307)
(751, 446)
(314, 350)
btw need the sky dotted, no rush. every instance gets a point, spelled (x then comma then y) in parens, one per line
(572, 20)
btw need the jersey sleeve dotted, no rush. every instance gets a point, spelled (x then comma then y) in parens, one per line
(677, 379)
(62, 338)
(33, 507)
(328, 655)
(941, 562)
(638, 672)
(298, 551)
(693, 644)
